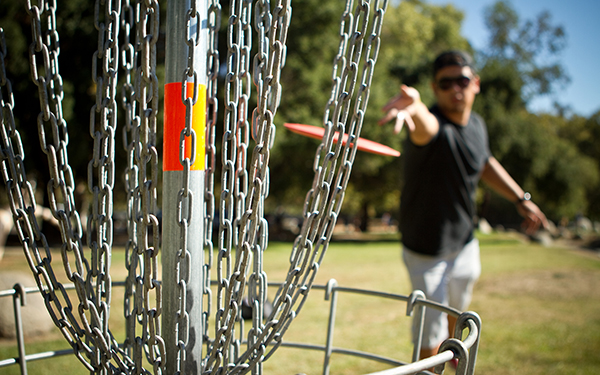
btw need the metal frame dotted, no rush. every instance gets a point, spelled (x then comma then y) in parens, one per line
(465, 350)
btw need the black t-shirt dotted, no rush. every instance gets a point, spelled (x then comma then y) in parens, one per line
(440, 180)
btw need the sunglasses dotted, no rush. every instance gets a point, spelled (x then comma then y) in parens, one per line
(447, 82)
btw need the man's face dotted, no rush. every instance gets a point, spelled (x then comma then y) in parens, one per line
(455, 88)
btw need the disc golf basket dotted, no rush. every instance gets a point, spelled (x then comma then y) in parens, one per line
(187, 320)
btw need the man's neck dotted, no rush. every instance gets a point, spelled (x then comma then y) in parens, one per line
(459, 118)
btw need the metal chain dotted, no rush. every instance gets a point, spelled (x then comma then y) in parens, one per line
(45, 44)
(242, 225)
(324, 200)
(103, 125)
(139, 98)
(246, 230)
(272, 28)
(228, 298)
(87, 331)
(134, 255)
(133, 259)
(91, 284)
(212, 107)
(141, 179)
(243, 87)
(185, 196)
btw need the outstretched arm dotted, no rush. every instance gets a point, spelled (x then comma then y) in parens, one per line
(422, 125)
(498, 179)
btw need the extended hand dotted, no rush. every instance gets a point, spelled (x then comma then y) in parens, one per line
(400, 108)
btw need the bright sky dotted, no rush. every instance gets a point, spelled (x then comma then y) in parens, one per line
(581, 57)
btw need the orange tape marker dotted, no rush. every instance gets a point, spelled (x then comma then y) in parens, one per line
(174, 123)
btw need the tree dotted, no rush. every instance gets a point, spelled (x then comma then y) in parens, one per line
(550, 166)
(522, 62)
(413, 32)
(78, 40)
(532, 47)
(312, 42)
(584, 134)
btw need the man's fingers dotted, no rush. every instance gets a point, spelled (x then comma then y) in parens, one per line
(392, 103)
(390, 115)
(531, 225)
(410, 123)
(401, 118)
(399, 122)
(534, 217)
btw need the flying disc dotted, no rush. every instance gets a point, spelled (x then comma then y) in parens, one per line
(362, 144)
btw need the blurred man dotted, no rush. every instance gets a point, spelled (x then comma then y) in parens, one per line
(446, 154)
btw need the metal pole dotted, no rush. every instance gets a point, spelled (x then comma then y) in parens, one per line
(19, 299)
(183, 186)
(330, 294)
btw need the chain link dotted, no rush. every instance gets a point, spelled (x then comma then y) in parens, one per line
(143, 299)
(103, 124)
(242, 224)
(185, 196)
(133, 257)
(324, 200)
(212, 107)
(272, 29)
(92, 284)
(92, 310)
(233, 152)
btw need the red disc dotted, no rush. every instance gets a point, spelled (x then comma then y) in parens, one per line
(362, 144)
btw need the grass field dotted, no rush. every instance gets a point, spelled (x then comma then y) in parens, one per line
(540, 308)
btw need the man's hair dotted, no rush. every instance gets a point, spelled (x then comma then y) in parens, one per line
(453, 58)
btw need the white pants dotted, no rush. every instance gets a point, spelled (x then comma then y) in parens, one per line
(448, 280)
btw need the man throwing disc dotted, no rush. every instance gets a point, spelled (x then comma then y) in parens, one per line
(445, 156)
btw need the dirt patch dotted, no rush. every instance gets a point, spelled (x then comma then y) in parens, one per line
(544, 284)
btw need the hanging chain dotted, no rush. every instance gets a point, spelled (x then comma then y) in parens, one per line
(212, 107)
(134, 259)
(92, 284)
(143, 325)
(324, 200)
(242, 225)
(87, 332)
(103, 125)
(272, 29)
(185, 195)
(45, 48)
(228, 298)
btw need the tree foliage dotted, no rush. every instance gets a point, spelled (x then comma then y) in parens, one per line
(413, 33)
(312, 43)
(523, 62)
(78, 40)
(584, 134)
(533, 46)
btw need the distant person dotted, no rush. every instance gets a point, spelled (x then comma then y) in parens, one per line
(446, 154)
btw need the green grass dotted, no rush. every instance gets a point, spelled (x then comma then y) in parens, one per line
(539, 306)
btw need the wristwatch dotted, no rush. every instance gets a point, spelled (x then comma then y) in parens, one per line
(526, 197)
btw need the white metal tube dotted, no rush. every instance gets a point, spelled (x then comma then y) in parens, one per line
(182, 26)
